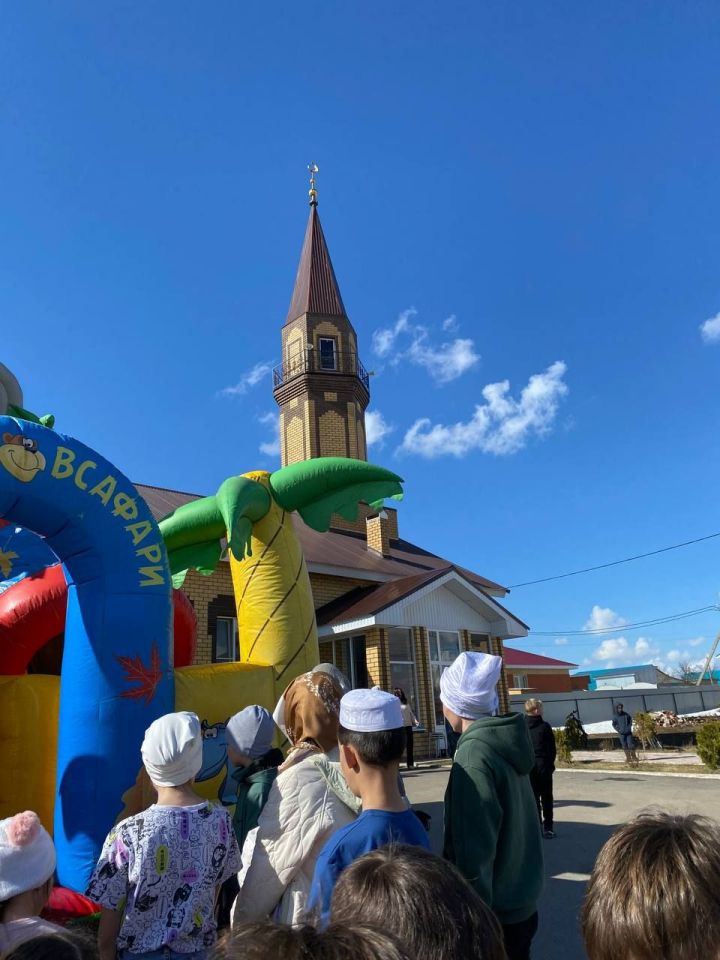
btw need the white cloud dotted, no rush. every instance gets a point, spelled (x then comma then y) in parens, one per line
(502, 425)
(384, 340)
(603, 618)
(271, 448)
(444, 362)
(251, 378)
(561, 641)
(450, 324)
(710, 329)
(696, 641)
(616, 651)
(376, 428)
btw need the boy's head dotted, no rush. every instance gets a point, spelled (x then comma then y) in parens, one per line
(248, 735)
(266, 940)
(654, 893)
(423, 900)
(534, 707)
(371, 733)
(172, 749)
(618, 708)
(27, 858)
(468, 688)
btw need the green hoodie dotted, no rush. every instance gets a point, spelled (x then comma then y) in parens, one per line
(492, 832)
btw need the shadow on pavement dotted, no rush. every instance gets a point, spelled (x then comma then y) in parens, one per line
(581, 803)
(569, 859)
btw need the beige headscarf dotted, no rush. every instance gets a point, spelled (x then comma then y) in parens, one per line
(312, 711)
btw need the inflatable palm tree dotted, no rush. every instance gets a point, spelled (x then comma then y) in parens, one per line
(275, 610)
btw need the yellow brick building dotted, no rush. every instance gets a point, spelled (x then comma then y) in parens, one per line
(389, 612)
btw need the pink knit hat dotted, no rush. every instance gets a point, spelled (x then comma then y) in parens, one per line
(27, 854)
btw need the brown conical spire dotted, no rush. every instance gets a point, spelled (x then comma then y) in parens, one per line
(316, 287)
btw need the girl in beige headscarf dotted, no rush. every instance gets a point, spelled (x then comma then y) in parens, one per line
(307, 803)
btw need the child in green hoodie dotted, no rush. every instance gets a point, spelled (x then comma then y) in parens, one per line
(248, 738)
(491, 826)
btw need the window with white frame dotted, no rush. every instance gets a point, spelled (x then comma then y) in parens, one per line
(444, 648)
(327, 347)
(520, 680)
(403, 673)
(348, 655)
(225, 646)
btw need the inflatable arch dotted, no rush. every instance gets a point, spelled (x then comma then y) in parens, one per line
(116, 673)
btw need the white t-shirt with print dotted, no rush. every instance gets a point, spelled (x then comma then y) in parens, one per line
(163, 867)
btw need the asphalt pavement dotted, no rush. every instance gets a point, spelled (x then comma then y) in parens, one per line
(588, 806)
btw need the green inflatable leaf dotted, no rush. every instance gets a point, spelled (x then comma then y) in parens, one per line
(319, 488)
(242, 502)
(203, 557)
(195, 522)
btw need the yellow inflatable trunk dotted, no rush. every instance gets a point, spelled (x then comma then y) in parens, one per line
(275, 610)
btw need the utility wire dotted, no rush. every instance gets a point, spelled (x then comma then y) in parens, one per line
(613, 563)
(621, 627)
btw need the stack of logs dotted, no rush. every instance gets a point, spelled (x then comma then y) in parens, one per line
(666, 718)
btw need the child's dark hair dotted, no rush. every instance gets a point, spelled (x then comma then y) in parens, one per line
(377, 749)
(64, 945)
(654, 893)
(423, 899)
(400, 694)
(266, 940)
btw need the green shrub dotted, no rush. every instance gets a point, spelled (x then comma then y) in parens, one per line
(708, 745)
(564, 750)
(645, 729)
(575, 733)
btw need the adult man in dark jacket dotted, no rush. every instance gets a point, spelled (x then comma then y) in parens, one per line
(543, 741)
(622, 723)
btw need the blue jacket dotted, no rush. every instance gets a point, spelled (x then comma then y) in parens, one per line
(622, 722)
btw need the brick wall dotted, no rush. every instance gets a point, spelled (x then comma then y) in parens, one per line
(202, 591)
(326, 588)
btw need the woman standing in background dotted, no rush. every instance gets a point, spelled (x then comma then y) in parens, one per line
(409, 721)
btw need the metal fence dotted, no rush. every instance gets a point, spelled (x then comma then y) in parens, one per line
(595, 706)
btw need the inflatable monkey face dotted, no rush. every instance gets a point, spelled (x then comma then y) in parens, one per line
(21, 457)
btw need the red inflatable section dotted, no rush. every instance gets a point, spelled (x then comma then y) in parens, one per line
(32, 612)
(184, 629)
(65, 905)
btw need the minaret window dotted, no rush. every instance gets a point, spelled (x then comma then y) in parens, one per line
(328, 353)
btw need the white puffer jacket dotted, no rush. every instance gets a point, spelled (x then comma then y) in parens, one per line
(308, 802)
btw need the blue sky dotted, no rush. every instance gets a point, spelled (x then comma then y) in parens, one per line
(521, 193)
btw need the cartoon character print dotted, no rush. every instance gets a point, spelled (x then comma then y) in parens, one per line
(176, 913)
(218, 856)
(215, 759)
(20, 457)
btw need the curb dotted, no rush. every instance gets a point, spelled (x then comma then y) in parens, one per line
(641, 773)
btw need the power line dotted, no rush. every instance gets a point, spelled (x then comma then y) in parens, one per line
(614, 563)
(621, 627)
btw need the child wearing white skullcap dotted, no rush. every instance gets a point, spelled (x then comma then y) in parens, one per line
(491, 824)
(372, 739)
(159, 870)
(27, 865)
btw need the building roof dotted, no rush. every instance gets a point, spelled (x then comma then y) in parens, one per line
(616, 671)
(339, 553)
(364, 604)
(316, 287)
(521, 658)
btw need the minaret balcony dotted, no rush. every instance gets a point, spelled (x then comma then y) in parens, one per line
(315, 361)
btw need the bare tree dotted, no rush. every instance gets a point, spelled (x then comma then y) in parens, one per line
(686, 672)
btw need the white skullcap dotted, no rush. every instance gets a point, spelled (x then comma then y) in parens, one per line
(27, 854)
(367, 711)
(250, 732)
(172, 749)
(468, 685)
